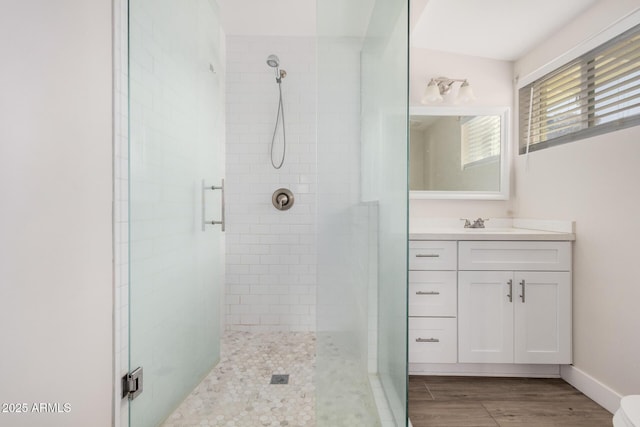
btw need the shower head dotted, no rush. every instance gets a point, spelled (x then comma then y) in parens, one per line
(273, 61)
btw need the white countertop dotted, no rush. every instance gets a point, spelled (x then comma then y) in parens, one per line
(502, 229)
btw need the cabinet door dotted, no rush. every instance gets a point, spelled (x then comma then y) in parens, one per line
(485, 317)
(542, 317)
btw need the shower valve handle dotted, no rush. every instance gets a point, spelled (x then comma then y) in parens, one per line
(282, 200)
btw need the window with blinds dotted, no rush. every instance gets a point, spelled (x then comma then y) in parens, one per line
(596, 93)
(480, 140)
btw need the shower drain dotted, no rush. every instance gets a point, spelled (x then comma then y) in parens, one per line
(280, 379)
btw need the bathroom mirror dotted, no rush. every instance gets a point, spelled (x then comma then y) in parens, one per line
(459, 153)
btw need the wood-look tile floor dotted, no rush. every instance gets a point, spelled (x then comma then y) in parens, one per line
(437, 401)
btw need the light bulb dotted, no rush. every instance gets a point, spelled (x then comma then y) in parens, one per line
(465, 93)
(431, 93)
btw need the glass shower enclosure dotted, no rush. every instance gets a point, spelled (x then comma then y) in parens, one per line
(176, 138)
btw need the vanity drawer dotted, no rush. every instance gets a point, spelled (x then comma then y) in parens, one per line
(526, 256)
(433, 293)
(433, 340)
(432, 255)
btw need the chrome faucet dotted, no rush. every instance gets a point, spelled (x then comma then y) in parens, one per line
(478, 223)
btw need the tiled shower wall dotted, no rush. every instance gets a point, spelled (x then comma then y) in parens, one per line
(270, 254)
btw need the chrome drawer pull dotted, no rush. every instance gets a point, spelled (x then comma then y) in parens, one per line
(427, 256)
(427, 340)
(523, 284)
(510, 294)
(427, 293)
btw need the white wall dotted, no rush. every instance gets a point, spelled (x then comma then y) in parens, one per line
(491, 82)
(56, 279)
(271, 266)
(419, 171)
(594, 182)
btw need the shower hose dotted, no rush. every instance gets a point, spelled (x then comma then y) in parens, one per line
(279, 119)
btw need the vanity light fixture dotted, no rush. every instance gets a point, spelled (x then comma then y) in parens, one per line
(439, 86)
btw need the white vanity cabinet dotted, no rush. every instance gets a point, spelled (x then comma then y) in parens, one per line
(514, 302)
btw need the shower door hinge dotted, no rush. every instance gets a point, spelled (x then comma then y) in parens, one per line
(132, 384)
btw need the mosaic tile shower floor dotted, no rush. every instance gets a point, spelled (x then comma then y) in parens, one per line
(238, 393)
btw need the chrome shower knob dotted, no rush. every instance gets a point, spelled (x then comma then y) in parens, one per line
(282, 199)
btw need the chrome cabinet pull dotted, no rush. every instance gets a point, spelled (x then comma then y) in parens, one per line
(510, 294)
(213, 187)
(427, 293)
(523, 284)
(427, 340)
(427, 256)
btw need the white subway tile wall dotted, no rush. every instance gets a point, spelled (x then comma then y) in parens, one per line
(271, 259)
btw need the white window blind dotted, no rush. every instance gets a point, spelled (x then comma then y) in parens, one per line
(480, 139)
(596, 93)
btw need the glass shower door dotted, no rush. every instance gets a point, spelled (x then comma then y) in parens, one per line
(361, 354)
(176, 145)
(385, 104)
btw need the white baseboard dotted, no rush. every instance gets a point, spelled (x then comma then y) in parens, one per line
(591, 387)
(485, 370)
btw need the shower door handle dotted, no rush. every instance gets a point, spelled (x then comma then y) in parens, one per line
(214, 222)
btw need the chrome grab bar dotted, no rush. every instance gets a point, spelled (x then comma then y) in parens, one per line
(222, 219)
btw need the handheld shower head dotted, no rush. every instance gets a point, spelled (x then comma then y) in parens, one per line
(273, 61)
